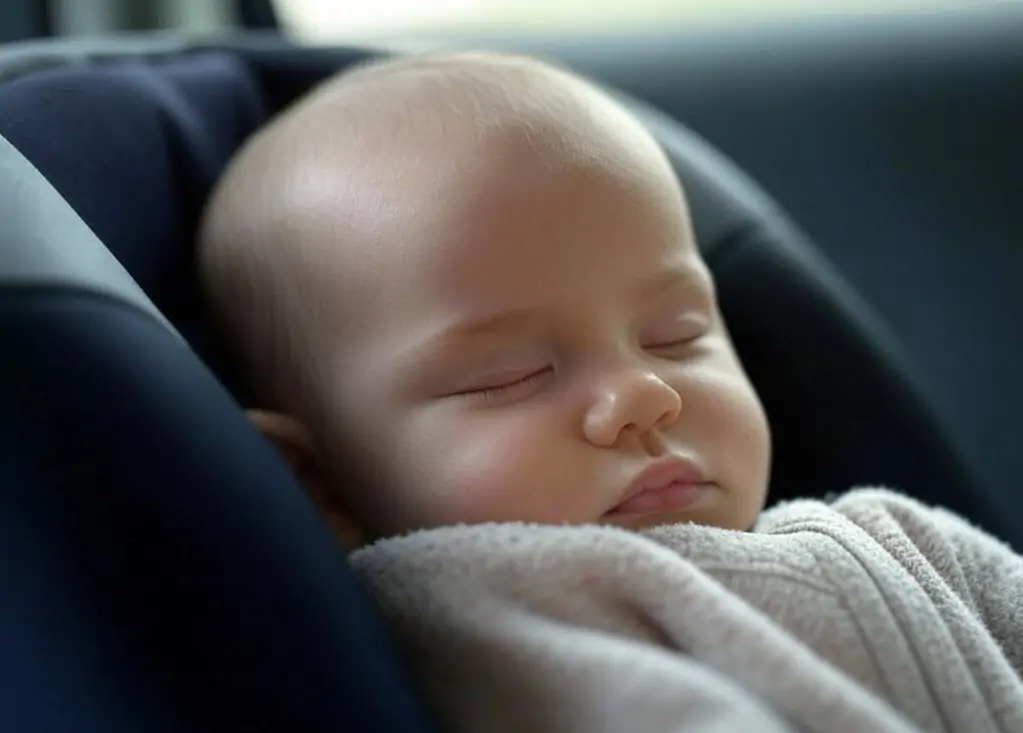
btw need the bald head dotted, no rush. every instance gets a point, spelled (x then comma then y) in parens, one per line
(478, 272)
(347, 180)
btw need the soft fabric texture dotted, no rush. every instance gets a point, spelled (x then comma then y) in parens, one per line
(873, 613)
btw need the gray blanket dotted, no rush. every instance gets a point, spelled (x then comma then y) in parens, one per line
(873, 614)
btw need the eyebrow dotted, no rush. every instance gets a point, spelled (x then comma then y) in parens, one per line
(674, 277)
(463, 331)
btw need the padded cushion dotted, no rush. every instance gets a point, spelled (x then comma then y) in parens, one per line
(135, 146)
(161, 569)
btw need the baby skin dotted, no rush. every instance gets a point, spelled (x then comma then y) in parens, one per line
(480, 270)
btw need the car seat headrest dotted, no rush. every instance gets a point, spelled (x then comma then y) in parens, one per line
(140, 145)
(45, 244)
(134, 143)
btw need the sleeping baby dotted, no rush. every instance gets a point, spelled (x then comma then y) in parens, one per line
(480, 271)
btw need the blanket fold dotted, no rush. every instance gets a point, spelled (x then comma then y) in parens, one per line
(874, 613)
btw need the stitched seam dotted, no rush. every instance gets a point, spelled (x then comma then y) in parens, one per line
(760, 571)
(938, 702)
(831, 592)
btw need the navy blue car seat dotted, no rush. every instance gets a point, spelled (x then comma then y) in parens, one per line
(160, 569)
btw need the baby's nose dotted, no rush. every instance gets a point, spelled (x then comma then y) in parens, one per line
(633, 402)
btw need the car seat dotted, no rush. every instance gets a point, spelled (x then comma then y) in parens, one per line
(161, 570)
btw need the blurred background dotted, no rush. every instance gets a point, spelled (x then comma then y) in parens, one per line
(334, 20)
(889, 129)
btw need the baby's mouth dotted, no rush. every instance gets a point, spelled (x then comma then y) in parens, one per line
(668, 483)
(673, 496)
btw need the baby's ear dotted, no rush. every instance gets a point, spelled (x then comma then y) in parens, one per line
(295, 445)
(289, 436)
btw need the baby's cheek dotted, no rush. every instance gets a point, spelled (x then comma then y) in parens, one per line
(496, 472)
(738, 439)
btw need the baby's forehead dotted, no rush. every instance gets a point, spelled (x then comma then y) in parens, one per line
(379, 168)
(453, 113)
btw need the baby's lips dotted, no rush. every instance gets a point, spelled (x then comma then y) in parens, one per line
(675, 495)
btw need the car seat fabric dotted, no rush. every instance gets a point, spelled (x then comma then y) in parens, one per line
(179, 582)
(134, 148)
(159, 558)
(158, 128)
(160, 568)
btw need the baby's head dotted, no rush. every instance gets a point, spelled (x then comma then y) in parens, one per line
(480, 270)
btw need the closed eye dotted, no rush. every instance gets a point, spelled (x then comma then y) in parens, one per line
(668, 343)
(676, 349)
(674, 344)
(675, 335)
(506, 388)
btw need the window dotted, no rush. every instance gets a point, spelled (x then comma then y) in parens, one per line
(338, 20)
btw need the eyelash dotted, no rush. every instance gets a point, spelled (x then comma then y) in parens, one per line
(487, 394)
(678, 343)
